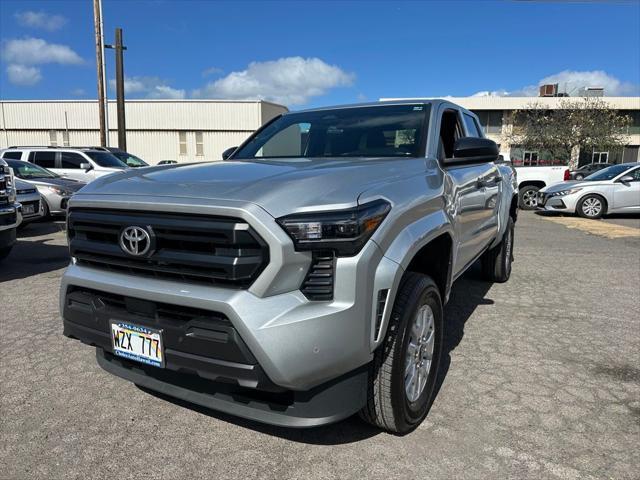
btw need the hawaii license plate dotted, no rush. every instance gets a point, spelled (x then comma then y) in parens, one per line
(136, 342)
(28, 209)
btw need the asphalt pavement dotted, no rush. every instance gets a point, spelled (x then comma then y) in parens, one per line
(540, 379)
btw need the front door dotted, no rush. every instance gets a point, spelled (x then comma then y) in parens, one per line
(469, 206)
(70, 167)
(626, 197)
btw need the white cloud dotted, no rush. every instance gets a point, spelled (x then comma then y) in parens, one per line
(290, 81)
(573, 83)
(41, 20)
(34, 51)
(78, 92)
(149, 87)
(23, 75)
(211, 71)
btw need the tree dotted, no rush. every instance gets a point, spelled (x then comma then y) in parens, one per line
(585, 123)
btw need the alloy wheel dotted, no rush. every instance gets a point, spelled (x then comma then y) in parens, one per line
(592, 207)
(530, 198)
(419, 354)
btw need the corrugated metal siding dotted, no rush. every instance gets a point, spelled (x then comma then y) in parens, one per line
(152, 126)
(141, 115)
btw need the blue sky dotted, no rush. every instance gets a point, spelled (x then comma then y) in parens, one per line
(315, 53)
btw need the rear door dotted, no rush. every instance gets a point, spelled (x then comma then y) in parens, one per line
(626, 197)
(45, 159)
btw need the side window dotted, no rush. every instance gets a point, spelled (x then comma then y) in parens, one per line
(450, 131)
(12, 155)
(71, 160)
(472, 127)
(636, 175)
(44, 159)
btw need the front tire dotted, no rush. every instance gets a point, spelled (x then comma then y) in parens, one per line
(592, 206)
(405, 366)
(496, 263)
(528, 197)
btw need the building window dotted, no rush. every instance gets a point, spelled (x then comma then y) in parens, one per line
(182, 138)
(53, 138)
(599, 157)
(65, 138)
(529, 158)
(490, 120)
(199, 144)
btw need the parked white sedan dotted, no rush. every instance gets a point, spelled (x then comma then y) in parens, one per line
(615, 189)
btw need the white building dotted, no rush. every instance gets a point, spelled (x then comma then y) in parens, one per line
(183, 130)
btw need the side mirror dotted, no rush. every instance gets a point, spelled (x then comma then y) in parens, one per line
(228, 152)
(627, 179)
(473, 150)
(86, 166)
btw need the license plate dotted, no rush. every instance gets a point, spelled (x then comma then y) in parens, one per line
(28, 209)
(138, 343)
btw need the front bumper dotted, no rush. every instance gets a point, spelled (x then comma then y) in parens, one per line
(10, 218)
(564, 203)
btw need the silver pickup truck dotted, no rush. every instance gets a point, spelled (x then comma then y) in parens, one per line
(10, 210)
(302, 279)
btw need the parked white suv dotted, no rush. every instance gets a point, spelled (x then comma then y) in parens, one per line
(84, 164)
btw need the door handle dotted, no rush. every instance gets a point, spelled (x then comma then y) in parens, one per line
(488, 183)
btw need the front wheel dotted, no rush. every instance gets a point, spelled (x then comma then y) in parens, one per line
(528, 197)
(405, 366)
(592, 206)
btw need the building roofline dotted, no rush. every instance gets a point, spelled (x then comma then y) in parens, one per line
(147, 100)
(513, 103)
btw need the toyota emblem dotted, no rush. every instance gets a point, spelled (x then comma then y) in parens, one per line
(135, 241)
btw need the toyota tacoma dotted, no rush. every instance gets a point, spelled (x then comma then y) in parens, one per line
(303, 278)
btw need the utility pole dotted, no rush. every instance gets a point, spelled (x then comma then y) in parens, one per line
(119, 48)
(97, 22)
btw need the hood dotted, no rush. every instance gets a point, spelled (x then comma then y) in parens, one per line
(66, 183)
(558, 187)
(22, 185)
(280, 186)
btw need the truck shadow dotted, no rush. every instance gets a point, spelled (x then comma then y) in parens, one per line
(468, 292)
(32, 255)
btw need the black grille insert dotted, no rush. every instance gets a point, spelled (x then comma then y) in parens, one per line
(194, 248)
(318, 284)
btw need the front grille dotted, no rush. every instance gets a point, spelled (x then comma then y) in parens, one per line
(36, 207)
(4, 194)
(193, 248)
(26, 191)
(318, 284)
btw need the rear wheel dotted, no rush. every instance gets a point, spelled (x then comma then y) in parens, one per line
(592, 206)
(528, 197)
(405, 366)
(496, 263)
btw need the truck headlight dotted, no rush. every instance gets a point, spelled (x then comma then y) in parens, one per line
(566, 192)
(344, 231)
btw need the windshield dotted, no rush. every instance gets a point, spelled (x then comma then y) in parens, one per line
(380, 131)
(106, 159)
(26, 170)
(130, 160)
(608, 173)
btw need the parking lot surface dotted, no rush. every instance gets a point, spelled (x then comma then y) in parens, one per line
(541, 379)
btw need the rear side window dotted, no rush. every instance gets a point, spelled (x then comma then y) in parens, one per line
(44, 159)
(71, 160)
(12, 155)
(472, 126)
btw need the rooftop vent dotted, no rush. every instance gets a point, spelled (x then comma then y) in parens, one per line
(549, 90)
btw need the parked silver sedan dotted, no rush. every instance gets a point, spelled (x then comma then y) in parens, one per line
(54, 189)
(615, 189)
(28, 197)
